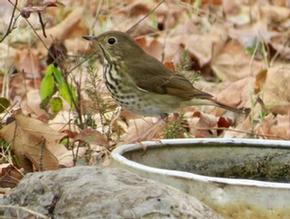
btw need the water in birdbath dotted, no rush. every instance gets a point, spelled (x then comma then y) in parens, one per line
(238, 161)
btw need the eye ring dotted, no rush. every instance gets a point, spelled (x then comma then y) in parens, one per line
(112, 40)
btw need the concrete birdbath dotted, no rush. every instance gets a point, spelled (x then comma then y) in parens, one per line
(239, 178)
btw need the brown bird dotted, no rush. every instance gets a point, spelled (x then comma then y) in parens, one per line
(141, 83)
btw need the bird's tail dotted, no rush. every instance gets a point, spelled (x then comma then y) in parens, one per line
(209, 101)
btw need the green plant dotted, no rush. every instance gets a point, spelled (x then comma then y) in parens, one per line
(175, 128)
(5, 152)
(54, 82)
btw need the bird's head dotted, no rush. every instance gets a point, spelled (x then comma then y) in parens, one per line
(116, 45)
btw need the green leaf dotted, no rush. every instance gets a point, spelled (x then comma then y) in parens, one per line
(67, 92)
(55, 105)
(47, 84)
(4, 104)
(54, 77)
(57, 75)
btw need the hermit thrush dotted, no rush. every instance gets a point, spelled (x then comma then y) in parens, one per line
(141, 83)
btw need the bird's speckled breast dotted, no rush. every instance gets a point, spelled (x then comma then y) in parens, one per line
(133, 98)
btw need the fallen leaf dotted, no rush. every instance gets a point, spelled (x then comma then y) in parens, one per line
(66, 159)
(243, 129)
(233, 63)
(274, 127)
(29, 63)
(276, 90)
(92, 136)
(64, 30)
(151, 46)
(237, 94)
(209, 44)
(26, 11)
(143, 129)
(9, 176)
(274, 13)
(31, 105)
(200, 125)
(260, 80)
(34, 143)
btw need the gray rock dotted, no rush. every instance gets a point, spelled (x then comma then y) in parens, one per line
(94, 192)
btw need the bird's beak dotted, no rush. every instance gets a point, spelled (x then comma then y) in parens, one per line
(90, 38)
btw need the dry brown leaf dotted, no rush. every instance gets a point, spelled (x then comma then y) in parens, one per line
(40, 7)
(9, 176)
(260, 80)
(238, 14)
(34, 143)
(200, 125)
(280, 43)
(66, 159)
(19, 86)
(282, 127)
(249, 35)
(29, 64)
(143, 129)
(64, 29)
(276, 90)
(77, 45)
(274, 127)
(284, 3)
(136, 8)
(31, 105)
(209, 44)
(151, 46)
(242, 129)
(231, 7)
(92, 136)
(275, 13)
(237, 93)
(233, 63)
(8, 56)
(173, 49)
(62, 121)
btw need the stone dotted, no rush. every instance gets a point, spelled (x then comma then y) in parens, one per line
(100, 193)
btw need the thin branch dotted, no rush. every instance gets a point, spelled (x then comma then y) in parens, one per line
(25, 209)
(35, 32)
(42, 24)
(80, 63)
(142, 19)
(245, 132)
(10, 26)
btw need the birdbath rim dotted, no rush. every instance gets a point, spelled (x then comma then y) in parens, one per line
(117, 155)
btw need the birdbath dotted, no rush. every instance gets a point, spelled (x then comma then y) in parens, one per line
(239, 178)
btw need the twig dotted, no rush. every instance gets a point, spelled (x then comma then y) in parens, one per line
(149, 13)
(245, 132)
(80, 63)
(97, 14)
(9, 29)
(278, 51)
(35, 32)
(199, 11)
(25, 209)
(164, 46)
(42, 24)
(54, 59)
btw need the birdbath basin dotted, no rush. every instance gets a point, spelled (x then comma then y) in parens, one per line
(239, 178)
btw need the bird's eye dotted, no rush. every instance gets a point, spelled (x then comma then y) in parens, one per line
(112, 40)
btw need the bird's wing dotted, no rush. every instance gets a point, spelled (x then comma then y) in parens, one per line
(150, 75)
